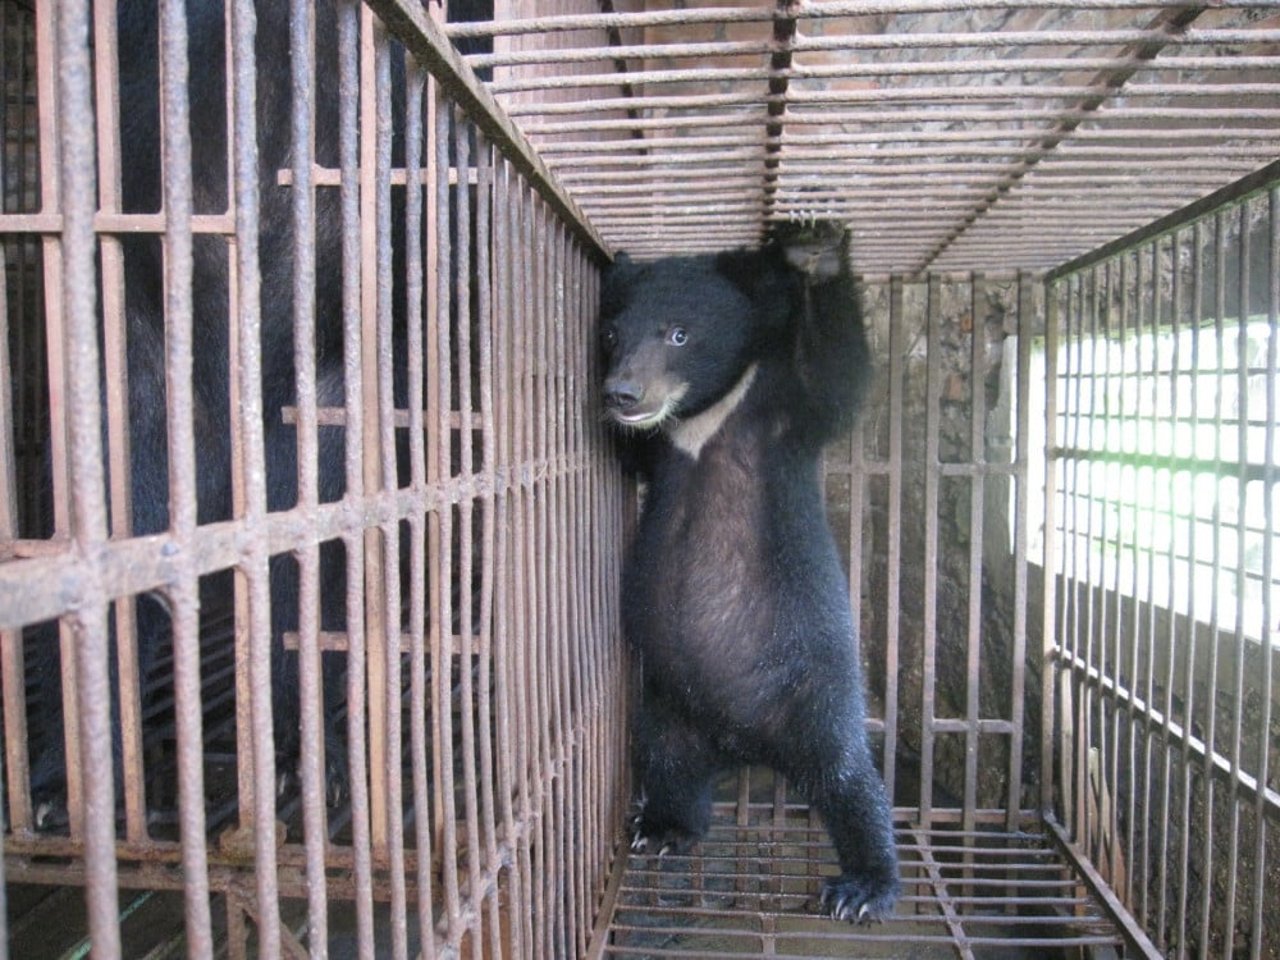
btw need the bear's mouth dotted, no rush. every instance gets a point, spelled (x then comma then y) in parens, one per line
(652, 415)
(642, 419)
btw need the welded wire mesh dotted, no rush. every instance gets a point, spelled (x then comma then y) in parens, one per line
(1162, 424)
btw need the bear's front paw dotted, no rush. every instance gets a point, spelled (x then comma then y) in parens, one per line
(860, 899)
(817, 248)
(660, 838)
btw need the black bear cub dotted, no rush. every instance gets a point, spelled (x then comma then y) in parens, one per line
(728, 374)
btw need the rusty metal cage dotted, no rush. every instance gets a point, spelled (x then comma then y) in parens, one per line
(312, 534)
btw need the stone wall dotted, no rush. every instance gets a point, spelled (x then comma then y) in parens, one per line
(966, 307)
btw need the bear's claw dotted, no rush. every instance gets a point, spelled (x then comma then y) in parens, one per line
(666, 839)
(860, 900)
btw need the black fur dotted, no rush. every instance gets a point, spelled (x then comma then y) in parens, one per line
(734, 594)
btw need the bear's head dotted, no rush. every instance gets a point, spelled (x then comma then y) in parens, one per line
(679, 333)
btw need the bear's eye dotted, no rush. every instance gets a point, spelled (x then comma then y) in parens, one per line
(677, 337)
(610, 338)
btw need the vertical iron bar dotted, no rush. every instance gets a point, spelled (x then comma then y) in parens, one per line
(442, 661)
(17, 761)
(560, 560)
(1022, 434)
(76, 201)
(1142, 727)
(557, 863)
(437, 206)
(556, 532)
(311, 693)
(49, 115)
(484, 166)
(547, 582)
(586, 637)
(115, 369)
(1112, 635)
(1193, 523)
(1241, 565)
(387, 688)
(237, 930)
(462, 651)
(573, 662)
(1063, 608)
(1215, 613)
(52, 172)
(1079, 742)
(240, 593)
(372, 39)
(544, 714)
(1049, 561)
(505, 497)
(254, 564)
(1126, 642)
(520, 243)
(415, 91)
(184, 592)
(1173, 634)
(977, 488)
(931, 475)
(1087, 621)
(1065, 563)
(893, 587)
(348, 16)
(1267, 682)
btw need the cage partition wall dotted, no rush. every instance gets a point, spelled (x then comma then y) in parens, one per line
(309, 637)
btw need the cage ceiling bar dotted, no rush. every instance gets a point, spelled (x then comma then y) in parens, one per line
(1003, 113)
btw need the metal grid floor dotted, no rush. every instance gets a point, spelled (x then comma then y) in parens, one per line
(752, 890)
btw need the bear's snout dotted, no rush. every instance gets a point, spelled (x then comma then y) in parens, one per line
(621, 394)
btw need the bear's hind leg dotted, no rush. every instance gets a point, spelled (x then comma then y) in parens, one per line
(852, 802)
(675, 765)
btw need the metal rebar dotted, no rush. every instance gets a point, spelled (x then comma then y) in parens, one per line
(183, 595)
(78, 297)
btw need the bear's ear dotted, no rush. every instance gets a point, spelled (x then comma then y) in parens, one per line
(615, 284)
(766, 279)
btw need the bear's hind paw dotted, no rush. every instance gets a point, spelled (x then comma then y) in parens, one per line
(859, 899)
(647, 838)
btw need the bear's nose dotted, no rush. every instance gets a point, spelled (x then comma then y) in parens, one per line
(622, 394)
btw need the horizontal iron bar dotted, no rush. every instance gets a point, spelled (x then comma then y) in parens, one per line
(119, 223)
(986, 68)
(799, 116)
(888, 41)
(46, 587)
(1249, 472)
(814, 11)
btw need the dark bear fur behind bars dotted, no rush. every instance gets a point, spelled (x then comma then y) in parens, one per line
(145, 325)
(728, 375)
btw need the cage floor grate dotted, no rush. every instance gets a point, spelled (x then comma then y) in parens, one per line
(752, 890)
